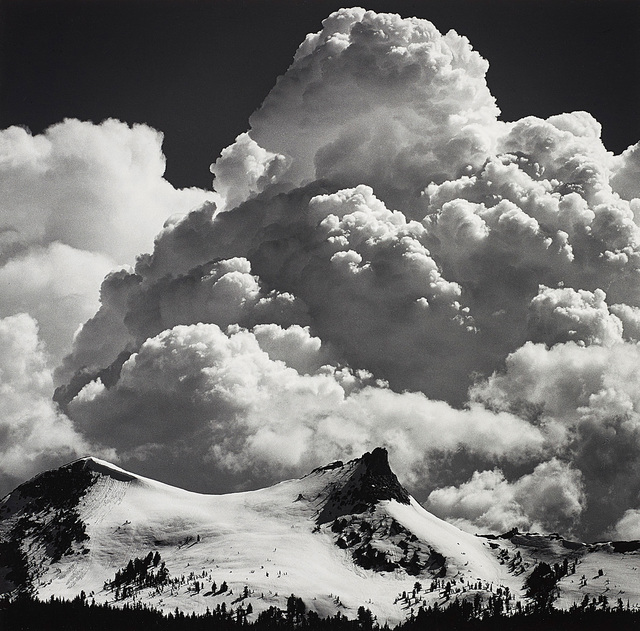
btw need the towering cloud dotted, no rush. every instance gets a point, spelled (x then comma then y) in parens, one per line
(383, 261)
(76, 202)
(378, 100)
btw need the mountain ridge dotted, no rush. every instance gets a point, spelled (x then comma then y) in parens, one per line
(344, 535)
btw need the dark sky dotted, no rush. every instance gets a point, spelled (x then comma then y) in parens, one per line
(197, 69)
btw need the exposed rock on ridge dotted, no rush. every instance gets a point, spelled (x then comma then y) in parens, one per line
(370, 482)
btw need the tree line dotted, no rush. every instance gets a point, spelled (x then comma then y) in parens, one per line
(26, 613)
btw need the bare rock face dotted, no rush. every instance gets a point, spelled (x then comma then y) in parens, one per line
(352, 514)
(368, 480)
(378, 481)
(378, 542)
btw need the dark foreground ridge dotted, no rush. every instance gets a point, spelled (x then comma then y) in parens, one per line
(26, 613)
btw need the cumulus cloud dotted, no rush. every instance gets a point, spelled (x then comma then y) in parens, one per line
(628, 526)
(75, 202)
(245, 169)
(550, 498)
(92, 187)
(342, 262)
(58, 286)
(261, 403)
(223, 292)
(383, 262)
(379, 100)
(626, 175)
(587, 398)
(563, 314)
(35, 435)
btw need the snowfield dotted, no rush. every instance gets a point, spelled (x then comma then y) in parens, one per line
(298, 537)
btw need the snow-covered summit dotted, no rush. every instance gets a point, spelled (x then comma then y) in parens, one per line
(345, 535)
(103, 467)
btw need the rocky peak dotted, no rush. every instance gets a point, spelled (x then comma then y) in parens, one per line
(353, 516)
(369, 480)
(378, 481)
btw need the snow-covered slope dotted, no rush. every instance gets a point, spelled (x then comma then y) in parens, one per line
(345, 535)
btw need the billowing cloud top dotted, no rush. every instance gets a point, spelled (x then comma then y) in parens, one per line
(371, 99)
(385, 263)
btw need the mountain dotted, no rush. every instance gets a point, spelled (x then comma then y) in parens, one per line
(345, 535)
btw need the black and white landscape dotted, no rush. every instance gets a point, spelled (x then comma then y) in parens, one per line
(385, 259)
(345, 536)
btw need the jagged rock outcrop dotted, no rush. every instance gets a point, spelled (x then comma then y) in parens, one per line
(369, 480)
